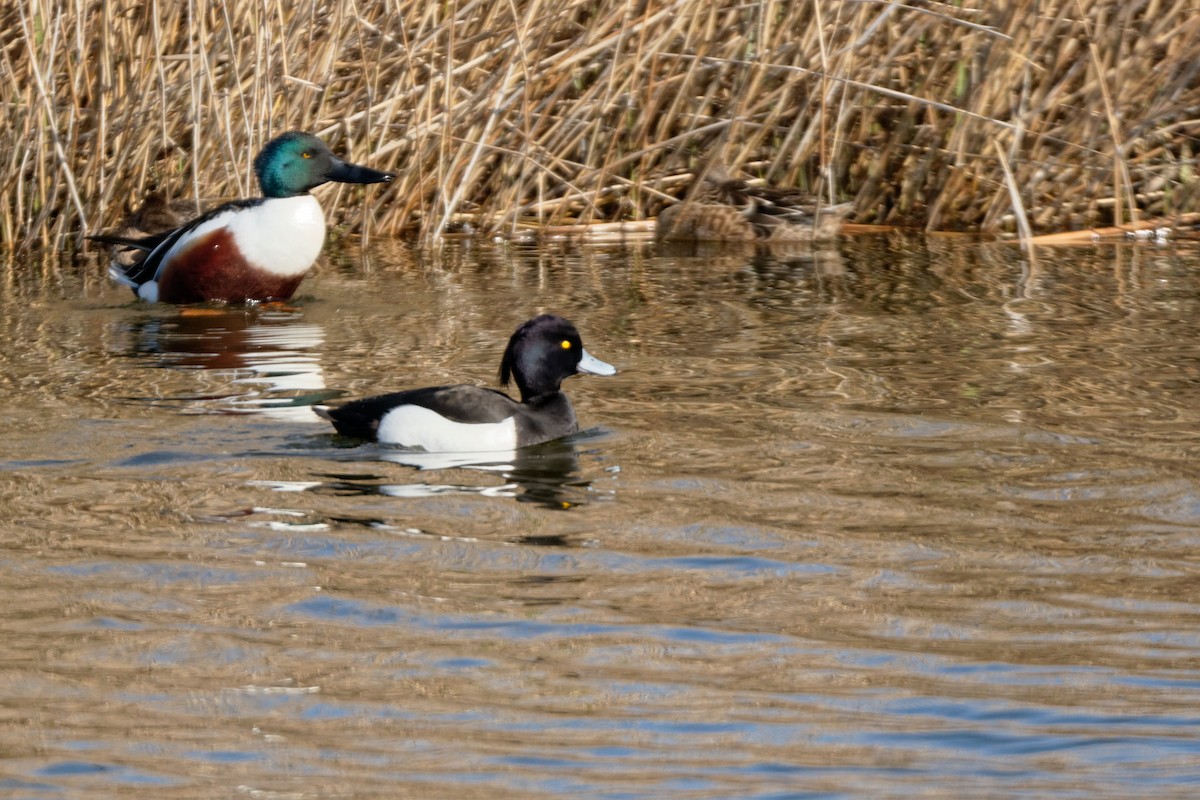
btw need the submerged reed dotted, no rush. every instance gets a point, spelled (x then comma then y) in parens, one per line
(1057, 113)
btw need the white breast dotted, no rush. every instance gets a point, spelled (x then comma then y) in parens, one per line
(415, 426)
(282, 235)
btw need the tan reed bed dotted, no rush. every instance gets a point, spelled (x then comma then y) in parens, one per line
(1041, 115)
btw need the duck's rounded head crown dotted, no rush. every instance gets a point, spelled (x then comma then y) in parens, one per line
(540, 354)
(293, 163)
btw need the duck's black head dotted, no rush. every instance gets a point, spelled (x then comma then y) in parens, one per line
(542, 352)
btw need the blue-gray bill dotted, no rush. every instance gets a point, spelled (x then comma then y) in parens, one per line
(594, 366)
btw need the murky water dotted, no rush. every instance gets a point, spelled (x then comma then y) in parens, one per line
(894, 518)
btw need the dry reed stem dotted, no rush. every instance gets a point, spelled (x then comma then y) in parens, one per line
(1014, 193)
(521, 112)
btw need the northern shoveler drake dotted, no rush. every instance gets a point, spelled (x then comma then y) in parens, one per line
(454, 419)
(245, 250)
(725, 209)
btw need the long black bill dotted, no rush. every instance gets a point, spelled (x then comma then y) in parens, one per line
(353, 173)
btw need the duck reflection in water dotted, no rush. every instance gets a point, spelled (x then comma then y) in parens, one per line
(267, 359)
(548, 474)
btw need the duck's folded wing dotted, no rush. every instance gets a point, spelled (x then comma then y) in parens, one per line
(138, 272)
(159, 244)
(461, 403)
(146, 243)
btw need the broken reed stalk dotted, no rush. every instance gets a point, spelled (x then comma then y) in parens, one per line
(524, 113)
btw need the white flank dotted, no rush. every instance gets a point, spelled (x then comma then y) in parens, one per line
(416, 426)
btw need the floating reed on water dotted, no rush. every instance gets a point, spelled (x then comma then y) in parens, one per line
(1059, 113)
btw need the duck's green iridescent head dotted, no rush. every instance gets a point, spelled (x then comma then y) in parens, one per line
(296, 162)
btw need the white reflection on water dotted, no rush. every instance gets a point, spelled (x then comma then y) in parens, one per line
(548, 474)
(262, 361)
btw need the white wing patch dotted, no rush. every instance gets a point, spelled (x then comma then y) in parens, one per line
(416, 426)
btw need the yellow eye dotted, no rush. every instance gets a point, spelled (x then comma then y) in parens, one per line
(566, 344)
(307, 155)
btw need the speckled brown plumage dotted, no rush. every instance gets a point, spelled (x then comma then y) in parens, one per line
(156, 214)
(726, 209)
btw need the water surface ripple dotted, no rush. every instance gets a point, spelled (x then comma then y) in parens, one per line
(897, 517)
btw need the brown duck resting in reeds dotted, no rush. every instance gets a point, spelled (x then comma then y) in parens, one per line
(727, 209)
(156, 214)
